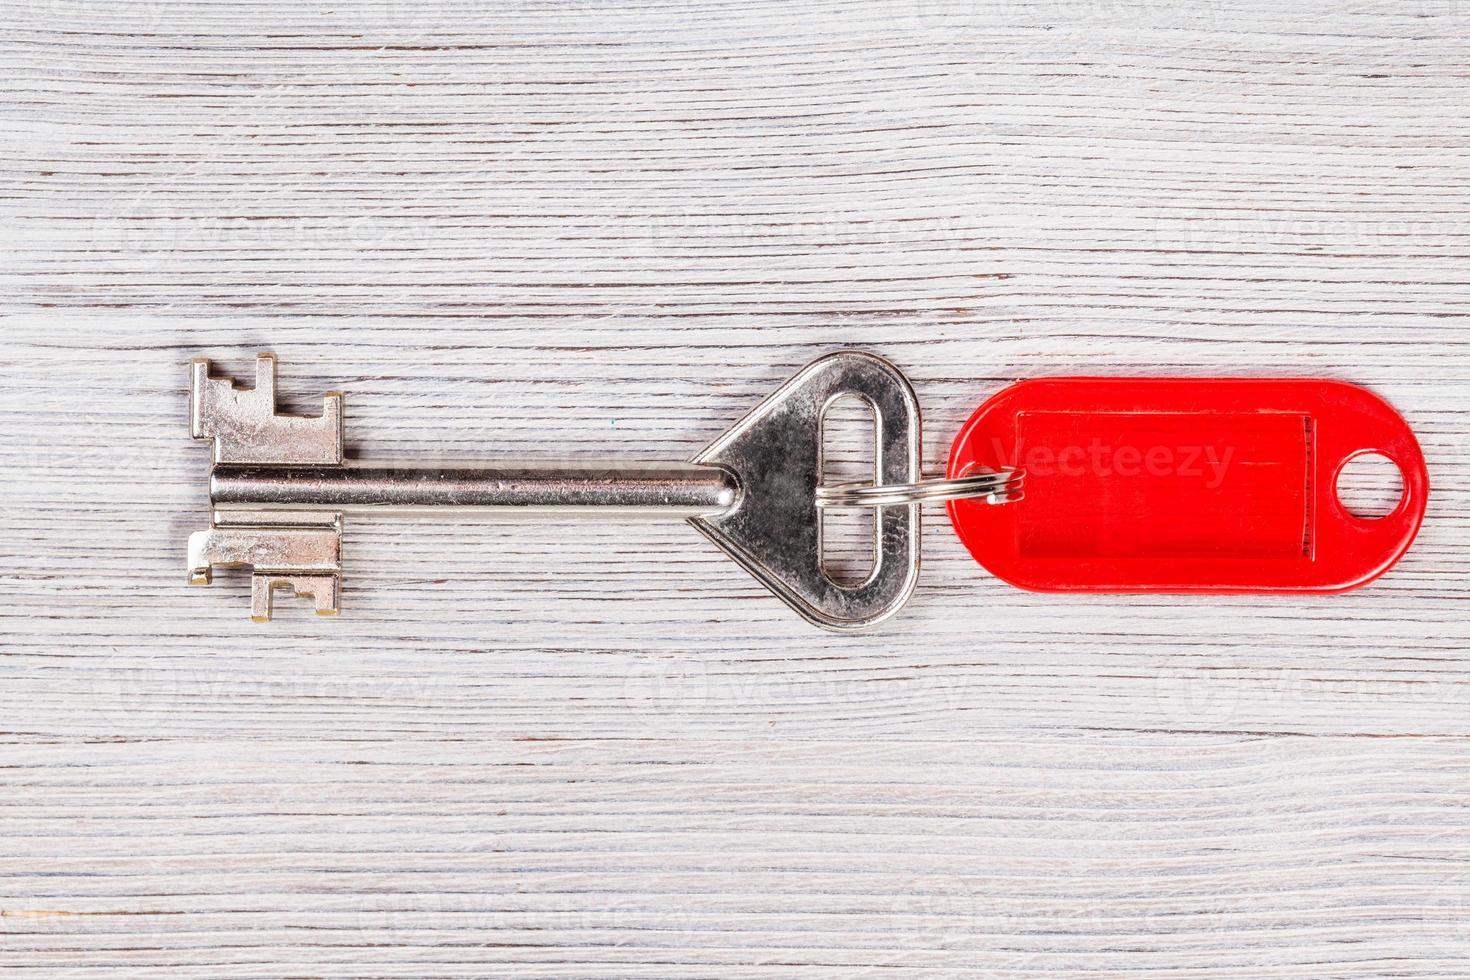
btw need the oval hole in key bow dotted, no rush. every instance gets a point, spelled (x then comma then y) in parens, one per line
(1185, 485)
(849, 536)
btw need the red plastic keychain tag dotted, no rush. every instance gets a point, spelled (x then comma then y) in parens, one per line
(1174, 485)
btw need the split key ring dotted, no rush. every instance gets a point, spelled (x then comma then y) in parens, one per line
(998, 487)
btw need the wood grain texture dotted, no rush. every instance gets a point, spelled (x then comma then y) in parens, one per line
(569, 230)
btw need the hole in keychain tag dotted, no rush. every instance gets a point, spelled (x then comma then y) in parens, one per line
(1185, 485)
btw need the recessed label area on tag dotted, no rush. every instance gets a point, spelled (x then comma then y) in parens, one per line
(1184, 485)
(1163, 484)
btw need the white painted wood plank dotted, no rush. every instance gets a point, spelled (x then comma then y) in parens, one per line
(550, 749)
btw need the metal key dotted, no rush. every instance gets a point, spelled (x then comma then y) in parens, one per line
(281, 486)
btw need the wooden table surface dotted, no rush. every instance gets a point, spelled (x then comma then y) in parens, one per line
(596, 750)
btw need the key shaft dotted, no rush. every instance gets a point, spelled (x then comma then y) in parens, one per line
(679, 490)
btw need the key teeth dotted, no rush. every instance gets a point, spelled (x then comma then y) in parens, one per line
(322, 589)
(307, 560)
(265, 377)
(245, 426)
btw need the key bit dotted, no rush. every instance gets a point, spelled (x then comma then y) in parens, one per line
(302, 552)
(245, 427)
(280, 487)
(306, 559)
